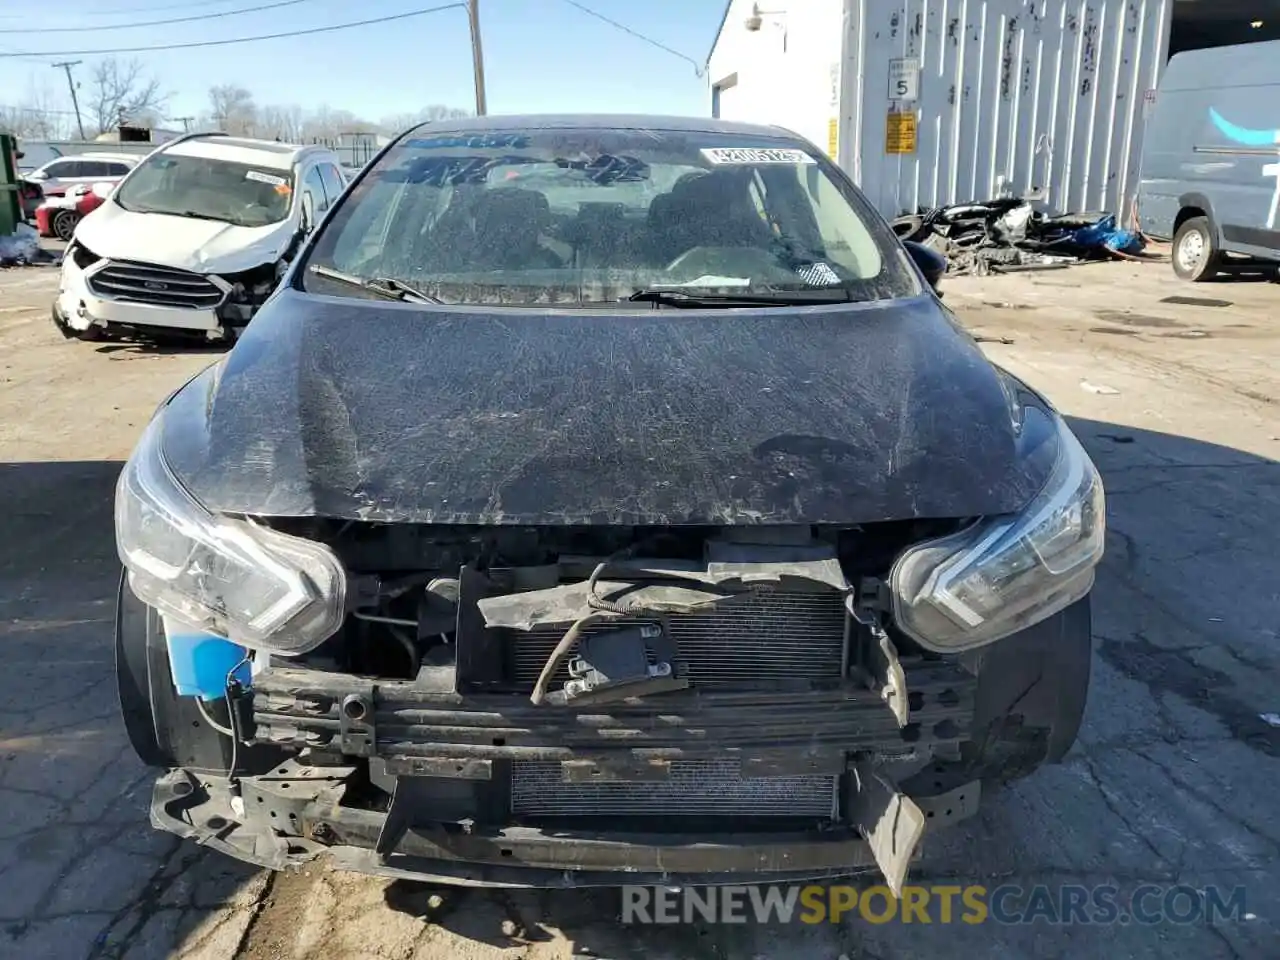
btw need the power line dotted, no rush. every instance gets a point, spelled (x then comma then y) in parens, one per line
(153, 23)
(697, 67)
(38, 111)
(223, 43)
(117, 11)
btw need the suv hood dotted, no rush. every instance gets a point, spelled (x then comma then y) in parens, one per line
(368, 410)
(185, 243)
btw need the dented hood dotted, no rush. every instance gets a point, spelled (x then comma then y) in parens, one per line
(185, 243)
(362, 409)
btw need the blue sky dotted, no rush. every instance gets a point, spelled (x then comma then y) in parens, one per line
(540, 55)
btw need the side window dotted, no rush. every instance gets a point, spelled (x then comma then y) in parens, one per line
(117, 169)
(93, 168)
(333, 182)
(63, 168)
(314, 203)
(313, 184)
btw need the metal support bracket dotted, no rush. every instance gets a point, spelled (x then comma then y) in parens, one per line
(356, 734)
(890, 820)
(882, 665)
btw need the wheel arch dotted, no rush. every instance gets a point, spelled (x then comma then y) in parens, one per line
(1192, 205)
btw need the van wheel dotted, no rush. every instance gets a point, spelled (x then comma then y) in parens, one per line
(1195, 254)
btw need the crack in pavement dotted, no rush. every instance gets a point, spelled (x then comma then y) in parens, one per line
(1113, 803)
(1207, 798)
(147, 904)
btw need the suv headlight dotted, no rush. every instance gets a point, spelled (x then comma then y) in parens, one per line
(1005, 574)
(255, 586)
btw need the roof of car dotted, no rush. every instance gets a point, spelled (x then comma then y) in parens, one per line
(602, 121)
(96, 155)
(263, 153)
(104, 155)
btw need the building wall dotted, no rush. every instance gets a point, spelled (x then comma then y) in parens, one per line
(1016, 97)
(787, 72)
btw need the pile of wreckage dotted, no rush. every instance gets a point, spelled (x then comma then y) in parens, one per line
(22, 248)
(1009, 235)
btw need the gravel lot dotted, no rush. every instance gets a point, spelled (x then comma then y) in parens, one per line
(1174, 780)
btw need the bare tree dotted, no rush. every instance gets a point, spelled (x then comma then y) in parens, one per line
(281, 122)
(123, 90)
(234, 110)
(37, 116)
(326, 123)
(399, 122)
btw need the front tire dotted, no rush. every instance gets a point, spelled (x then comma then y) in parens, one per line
(135, 622)
(1196, 256)
(167, 730)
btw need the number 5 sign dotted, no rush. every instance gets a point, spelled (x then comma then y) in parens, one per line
(904, 78)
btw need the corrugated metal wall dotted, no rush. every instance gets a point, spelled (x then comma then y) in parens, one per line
(1014, 95)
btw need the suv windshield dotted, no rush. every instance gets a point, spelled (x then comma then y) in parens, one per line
(577, 216)
(209, 189)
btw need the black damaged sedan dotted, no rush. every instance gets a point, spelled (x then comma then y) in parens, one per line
(601, 500)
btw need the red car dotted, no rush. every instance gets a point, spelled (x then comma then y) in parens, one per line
(58, 216)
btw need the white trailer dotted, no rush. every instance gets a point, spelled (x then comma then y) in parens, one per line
(930, 102)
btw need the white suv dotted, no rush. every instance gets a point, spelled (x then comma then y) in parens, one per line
(195, 238)
(58, 176)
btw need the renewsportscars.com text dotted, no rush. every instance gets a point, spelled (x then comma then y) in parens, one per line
(1066, 904)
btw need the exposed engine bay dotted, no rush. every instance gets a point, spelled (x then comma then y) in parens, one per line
(654, 681)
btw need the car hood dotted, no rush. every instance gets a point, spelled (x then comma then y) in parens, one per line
(185, 243)
(369, 410)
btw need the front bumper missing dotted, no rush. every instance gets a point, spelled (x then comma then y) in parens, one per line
(207, 811)
(441, 761)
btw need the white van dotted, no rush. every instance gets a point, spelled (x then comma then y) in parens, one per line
(195, 238)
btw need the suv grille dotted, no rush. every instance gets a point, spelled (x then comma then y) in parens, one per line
(162, 286)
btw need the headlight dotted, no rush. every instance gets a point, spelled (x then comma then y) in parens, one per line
(252, 585)
(1005, 574)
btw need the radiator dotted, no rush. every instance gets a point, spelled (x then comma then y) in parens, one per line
(772, 635)
(696, 788)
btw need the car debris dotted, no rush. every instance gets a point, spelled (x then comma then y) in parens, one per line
(1102, 389)
(22, 248)
(1009, 235)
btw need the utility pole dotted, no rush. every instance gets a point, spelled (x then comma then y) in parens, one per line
(477, 56)
(75, 101)
(185, 121)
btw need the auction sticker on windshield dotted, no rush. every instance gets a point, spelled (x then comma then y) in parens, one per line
(722, 155)
(270, 178)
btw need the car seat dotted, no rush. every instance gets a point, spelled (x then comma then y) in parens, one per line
(508, 222)
(712, 210)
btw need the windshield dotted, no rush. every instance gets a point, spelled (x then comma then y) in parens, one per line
(209, 189)
(591, 216)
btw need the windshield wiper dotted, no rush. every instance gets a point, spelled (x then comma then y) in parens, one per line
(797, 298)
(388, 287)
(194, 215)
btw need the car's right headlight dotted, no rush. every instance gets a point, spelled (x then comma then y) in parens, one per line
(1005, 574)
(255, 586)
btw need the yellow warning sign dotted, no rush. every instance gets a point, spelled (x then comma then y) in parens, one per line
(833, 137)
(900, 133)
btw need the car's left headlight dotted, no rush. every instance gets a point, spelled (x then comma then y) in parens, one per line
(1004, 574)
(258, 587)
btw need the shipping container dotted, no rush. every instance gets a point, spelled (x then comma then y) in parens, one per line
(930, 102)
